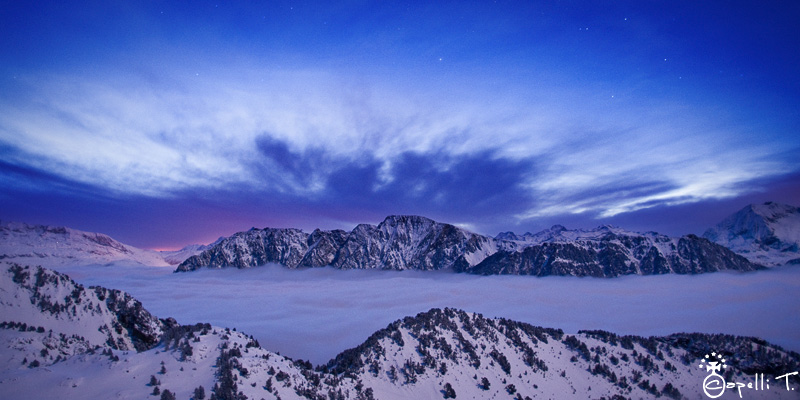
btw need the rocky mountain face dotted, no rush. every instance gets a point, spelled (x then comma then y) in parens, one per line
(399, 242)
(418, 243)
(53, 246)
(254, 247)
(611, 252)
(441, 353)
(766, 233)
(411, 242)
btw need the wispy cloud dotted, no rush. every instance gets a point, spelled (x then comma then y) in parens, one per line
(327, 136)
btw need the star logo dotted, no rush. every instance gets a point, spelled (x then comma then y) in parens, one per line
(714, 384)
(713, 363)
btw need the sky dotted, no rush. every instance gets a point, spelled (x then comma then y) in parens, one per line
(169, 123)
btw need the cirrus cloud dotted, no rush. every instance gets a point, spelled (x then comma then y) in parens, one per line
(327, 138)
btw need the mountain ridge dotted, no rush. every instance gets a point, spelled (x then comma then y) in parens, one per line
(765, 234)
(399, 242)
(402, 242)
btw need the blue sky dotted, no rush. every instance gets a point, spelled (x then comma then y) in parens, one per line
(168, 123)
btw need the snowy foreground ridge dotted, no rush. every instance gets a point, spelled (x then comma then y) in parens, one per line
(61, 340)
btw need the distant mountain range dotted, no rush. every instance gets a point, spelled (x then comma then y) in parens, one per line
(52, 246)
(418, 243)
(758, 235)
(175, 257)
(57, 245)
(59, 339)
(766, 233)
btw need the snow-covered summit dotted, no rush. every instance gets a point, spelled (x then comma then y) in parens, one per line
(58, 245)
(608, 251)
(412, 242)
(767, 233)
(175, 257)
(560, 234)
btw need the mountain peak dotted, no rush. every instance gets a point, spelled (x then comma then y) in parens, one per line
(509, 235)
(773, 211)
(407, 219)
(768, 233)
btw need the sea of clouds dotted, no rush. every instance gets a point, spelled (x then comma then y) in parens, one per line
(314, 314)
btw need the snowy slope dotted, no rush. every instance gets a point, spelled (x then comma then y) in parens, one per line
(478, 357)
(60, 318)
(175, 257)
(431, 355)
(766, 233)
(53, 246)
(199, 356)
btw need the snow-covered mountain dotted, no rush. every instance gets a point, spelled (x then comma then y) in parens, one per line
(398, 243)
(456, 354)
(53, 318)
(53, 246)
(69, 342)
(766, 233)
(175, 257)
(413, 242)
(609, 252)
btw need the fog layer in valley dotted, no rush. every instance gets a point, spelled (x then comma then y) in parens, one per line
(315, 314)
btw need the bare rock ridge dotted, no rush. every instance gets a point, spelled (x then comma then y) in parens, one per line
(418, 243)
(615, 254)
(101, 343)
(399, 242)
